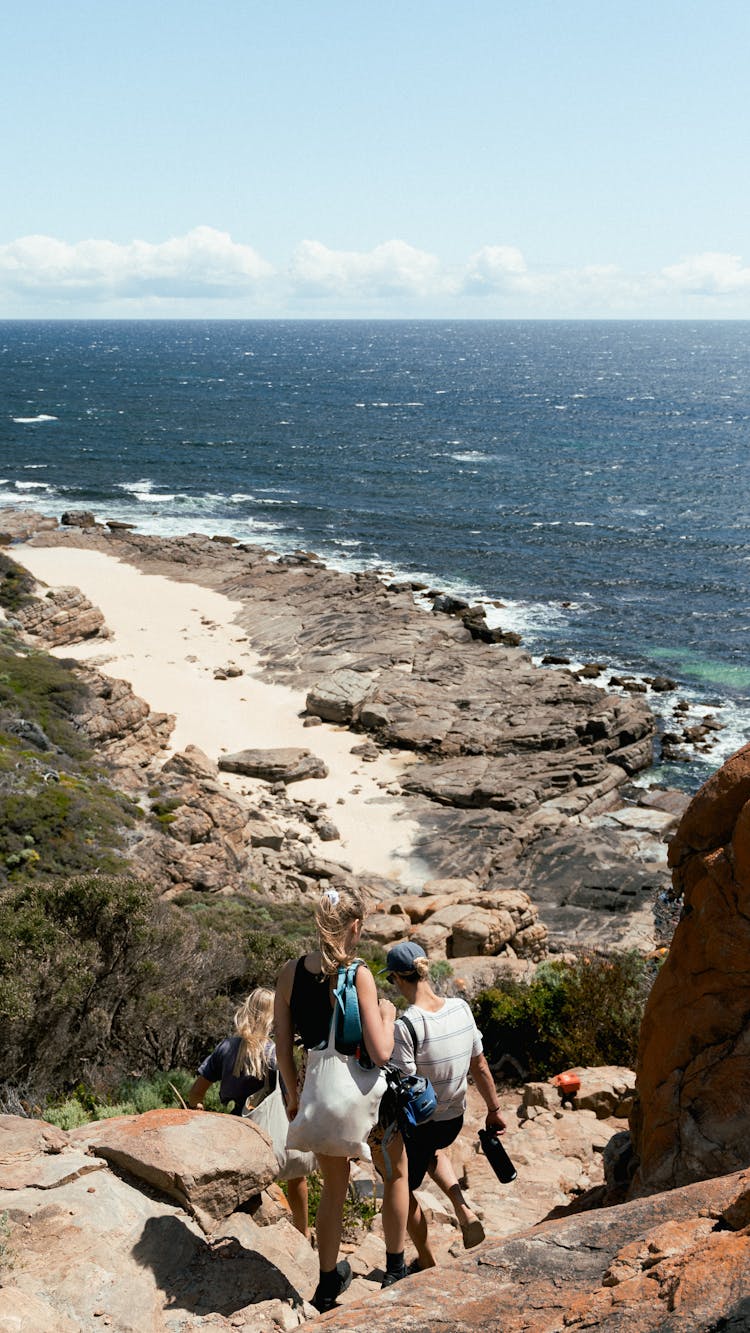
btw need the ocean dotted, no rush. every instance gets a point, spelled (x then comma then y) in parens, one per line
(591, 477)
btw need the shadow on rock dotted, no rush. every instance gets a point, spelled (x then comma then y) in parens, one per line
(208, 1278)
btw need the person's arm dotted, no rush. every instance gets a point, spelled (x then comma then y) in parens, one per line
(284, 1035)
(378, 1017)
(485, 1085)
(197, 1093)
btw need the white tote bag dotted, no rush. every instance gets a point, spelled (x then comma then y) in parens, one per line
(338, 1106)
(270, 1116)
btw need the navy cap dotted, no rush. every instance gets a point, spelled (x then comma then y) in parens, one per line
(402, 957)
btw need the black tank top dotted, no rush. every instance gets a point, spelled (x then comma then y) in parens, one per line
(310, 1005)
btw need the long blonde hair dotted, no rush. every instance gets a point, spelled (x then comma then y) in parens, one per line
(252, 1023)
(335, 911)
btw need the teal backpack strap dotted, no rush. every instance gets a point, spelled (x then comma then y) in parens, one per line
(348, 1038)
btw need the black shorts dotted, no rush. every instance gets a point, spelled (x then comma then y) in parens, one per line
(423, 1143)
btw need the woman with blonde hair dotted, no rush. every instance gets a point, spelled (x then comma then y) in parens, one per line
(243, 1065)
(304, 1007)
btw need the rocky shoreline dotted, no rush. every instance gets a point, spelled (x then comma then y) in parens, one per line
(516, 777)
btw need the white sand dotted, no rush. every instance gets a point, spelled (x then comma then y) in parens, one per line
(167, 640)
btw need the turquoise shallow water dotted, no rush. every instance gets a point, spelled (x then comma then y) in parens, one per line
(591, 476)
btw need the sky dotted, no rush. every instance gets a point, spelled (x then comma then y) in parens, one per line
(421, 159)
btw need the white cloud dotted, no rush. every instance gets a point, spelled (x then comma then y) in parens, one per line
(393, 268)
(709, 274)
(204, 262)
(495, 268)
(206, 273)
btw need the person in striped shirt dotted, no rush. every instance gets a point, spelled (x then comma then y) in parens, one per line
(448, 1048)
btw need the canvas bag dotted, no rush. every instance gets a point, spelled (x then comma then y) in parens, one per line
(339, 1104)
(270, 1116)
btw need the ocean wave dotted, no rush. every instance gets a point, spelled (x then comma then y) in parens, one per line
(472, 456)
(33, 421)
(143, 485)
(32, 486)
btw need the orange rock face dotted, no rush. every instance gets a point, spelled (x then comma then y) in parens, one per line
(693, 1071)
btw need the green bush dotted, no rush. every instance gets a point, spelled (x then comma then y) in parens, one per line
(43, 690)
(131, 1097)
(583, 1013)
(16, 585)
(100, 978)
(97, 976)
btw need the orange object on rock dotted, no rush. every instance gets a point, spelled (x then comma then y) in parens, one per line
(567, 1083)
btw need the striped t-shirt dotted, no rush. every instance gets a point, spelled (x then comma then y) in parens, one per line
(446, 1043)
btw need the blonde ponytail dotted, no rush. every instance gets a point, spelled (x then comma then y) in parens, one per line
(335, 911)
(252, 1023)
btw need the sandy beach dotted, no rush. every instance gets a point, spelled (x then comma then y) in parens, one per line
(168, 639)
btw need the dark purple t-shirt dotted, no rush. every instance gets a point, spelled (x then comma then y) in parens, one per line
(218, 1066)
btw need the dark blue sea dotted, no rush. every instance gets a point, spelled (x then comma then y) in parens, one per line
(593, 477)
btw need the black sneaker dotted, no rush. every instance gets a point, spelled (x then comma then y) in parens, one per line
(326, 1300)
(391, 1277)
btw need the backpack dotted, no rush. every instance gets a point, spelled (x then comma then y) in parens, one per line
(409, 1100)
(349, 1039)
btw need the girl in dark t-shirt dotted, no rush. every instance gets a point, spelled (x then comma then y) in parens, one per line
(242, 1065)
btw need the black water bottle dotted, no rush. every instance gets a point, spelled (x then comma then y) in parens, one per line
(497, 1156)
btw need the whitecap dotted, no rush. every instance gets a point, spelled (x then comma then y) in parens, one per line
(32, 421)
(579, 523)
(148, 497)
(472, 456)
(32, 486)
(144, 484)
(32, 467)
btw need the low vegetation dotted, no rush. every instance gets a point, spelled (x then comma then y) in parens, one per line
(587, 1012)
(99, 978)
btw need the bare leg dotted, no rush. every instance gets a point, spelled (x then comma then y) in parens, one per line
(335, 1173)
(395, 1193)
(417, 1227)
(296, 1191)
(445, 1177)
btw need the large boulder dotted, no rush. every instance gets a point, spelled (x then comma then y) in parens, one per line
(283, 765)
(210, 1163)
(692, 1120)
(98, 1252)
(677, 1261)
(62, 617)
(338, 696)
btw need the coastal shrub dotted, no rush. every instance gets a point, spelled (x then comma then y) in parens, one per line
(101, 979)
(130, 1097)
(268, 932)
(16, 585)
(586, 1012)
(359, 1210)
(61, 827)
(98, 977)
(43, 690)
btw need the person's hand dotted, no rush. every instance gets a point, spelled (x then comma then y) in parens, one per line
(494, 1122)
(292, 1107)
(387, 1011)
